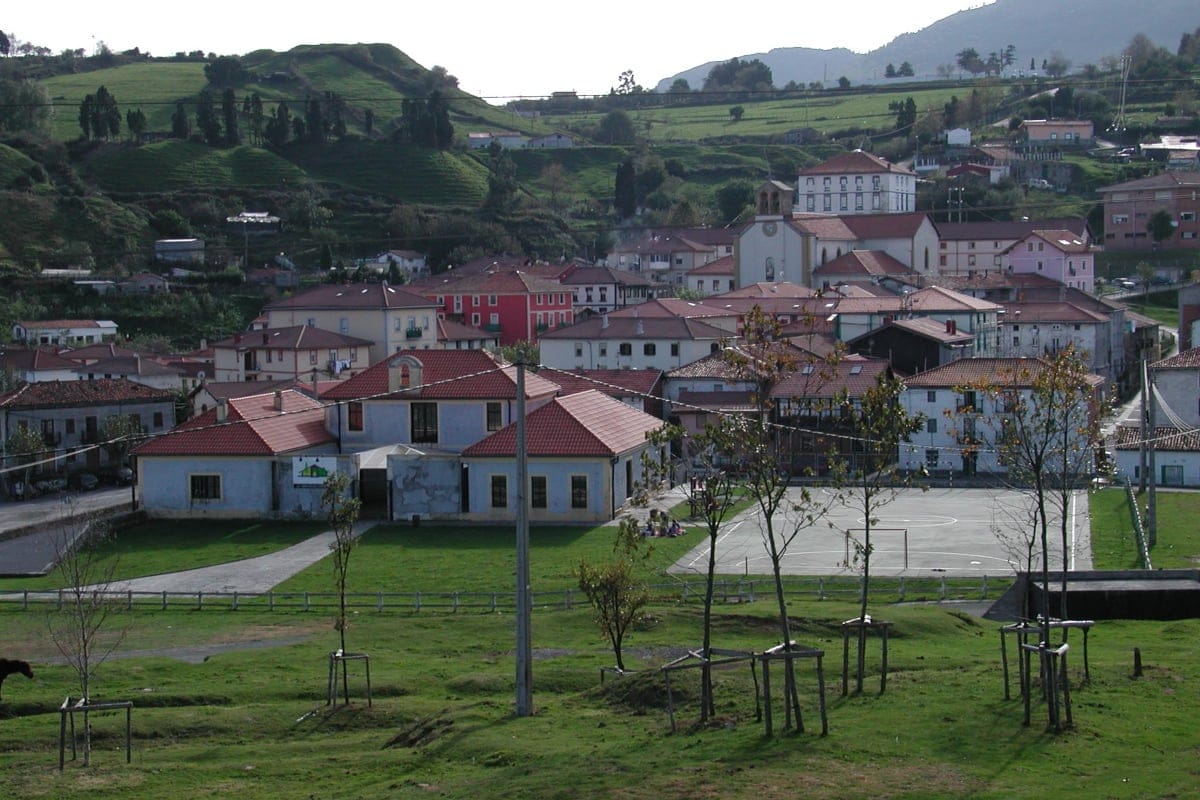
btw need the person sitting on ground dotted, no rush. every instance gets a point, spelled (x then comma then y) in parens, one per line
(675, 529)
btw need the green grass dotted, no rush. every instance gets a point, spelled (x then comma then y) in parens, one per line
(176, 164)
(406, 174)
(1114, 544)
(153, 87)
(231, 718)
(12, 163)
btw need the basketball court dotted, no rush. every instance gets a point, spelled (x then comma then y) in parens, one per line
(944, 531)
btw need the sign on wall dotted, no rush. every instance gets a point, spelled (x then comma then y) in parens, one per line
(313, 470)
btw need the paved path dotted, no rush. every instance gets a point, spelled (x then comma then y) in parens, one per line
(249, 576)
(33, 553)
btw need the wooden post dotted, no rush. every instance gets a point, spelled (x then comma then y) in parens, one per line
(670, 701)
(883, 667)
(1004, 662)
(821, 696)
(1137, 662)
(766, 665)
(845, 661)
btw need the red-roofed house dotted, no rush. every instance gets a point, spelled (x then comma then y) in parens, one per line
(857, 183)
(433, 400)
(1057, 254)
(585, 456)
(30, 364)
(262, 455)
(71, 414)
(293, 353)
(64, 332)
(639, 388)
(963, 405)
(516, 305)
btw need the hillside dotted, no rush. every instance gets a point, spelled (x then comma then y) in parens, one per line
(1082, 31)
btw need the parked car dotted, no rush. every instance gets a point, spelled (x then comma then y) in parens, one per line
(1040, 183)
(84, 481)
(50, 484)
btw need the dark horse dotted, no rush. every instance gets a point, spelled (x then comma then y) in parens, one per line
(9, 666)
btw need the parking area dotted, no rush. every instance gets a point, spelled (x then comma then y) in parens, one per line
(944, 531)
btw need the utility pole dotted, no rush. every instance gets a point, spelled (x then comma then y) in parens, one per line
(1142, 428)
(1151, 467)
(524, 604)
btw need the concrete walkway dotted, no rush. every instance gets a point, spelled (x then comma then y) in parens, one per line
(251, 576)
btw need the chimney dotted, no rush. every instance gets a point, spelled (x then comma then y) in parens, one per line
(279, 400)
(237, 338)
(603, 321)
(640, 328)
(203, 343)
(314, 384)
(222, 410)
(266, 337)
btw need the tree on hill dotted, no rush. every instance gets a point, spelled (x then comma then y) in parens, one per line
(315, 121)
(1161, 226)
(24, 107)
(625, 192)
(906, 114)
(181, 126)
(679, 86)
(279, 126)
(616, 588)
(968, 59)
(889, 71)
(616, 127)
(843, 82)
(737, 75)
(1057, 66)
(225, 71)
(99, 116)
(733, 198)
(5, 44)
(135, 121)
(905, 70)
(207, 122)
(229, 110)
(502, 178)
(736, 113)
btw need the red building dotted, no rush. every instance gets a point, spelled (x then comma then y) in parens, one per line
(512, 303)
(1128, 207)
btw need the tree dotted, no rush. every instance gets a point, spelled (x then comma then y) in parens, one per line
(369, 121)
(225, 71)
(968, 59)
(279, 126)
(871, 479)
(627, 84)
(118, 434)
(616, 128)
(439, 110)
(625, 193)
(906, 114)
(502, 179)
(890, 71)
(314, 120)
(1160, 226)
(99, 117)
(135, 121)
(736, 112)
(25, 107)
(905, 70)
(553, 178)
(5, 44)
(181, 127)
(22, 445)
(207, 122)
(1057, 65)
(736, 75)
(80, 627)
(617, 594)
(679, 86)
(341, 511)
(1044, 434)
(229, 110)
(733, 198)
(843, 82)
(761, 360)
(85, 115)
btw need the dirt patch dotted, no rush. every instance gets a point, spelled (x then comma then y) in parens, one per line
(422, 732)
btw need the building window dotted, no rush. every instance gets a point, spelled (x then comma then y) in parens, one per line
(579, 349)
(625, 349)
(579, 491)
(475, 320)
(828, 204)
(931, 458)
(537, 491)
(424, 423)
(344, 324)
(875, 201)
(649, 349)
(354, 416)
(931, 396)
(70, 425)
(205, 487)
(810, 203)
(491, 299)
(931, 425)
(674, 348)
(312, 357)
(603, 350)
(494, 419)
(499, 491)
(158, 421)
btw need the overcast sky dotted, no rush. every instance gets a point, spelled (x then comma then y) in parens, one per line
(497, 50)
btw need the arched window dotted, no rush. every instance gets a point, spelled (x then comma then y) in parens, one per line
(770, 270)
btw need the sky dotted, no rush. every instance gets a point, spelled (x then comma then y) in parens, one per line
(496, 50)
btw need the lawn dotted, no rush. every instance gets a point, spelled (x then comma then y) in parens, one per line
(1114, 544)
(231, 702)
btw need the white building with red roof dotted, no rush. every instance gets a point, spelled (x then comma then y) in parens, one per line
(261, 455)
(1057, 254)
(584, 459)
(32, 364)
(963, 404)
(1176, 380)
(296, 352)
(857, 183)
(64, 332)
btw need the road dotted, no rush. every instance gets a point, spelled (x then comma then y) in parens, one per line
(33, 554)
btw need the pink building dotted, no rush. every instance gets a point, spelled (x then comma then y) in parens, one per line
(511, 303)
(1058, 255)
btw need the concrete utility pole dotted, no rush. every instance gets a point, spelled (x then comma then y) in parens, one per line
(524, 604)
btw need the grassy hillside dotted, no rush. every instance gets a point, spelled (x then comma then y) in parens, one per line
(70, 231)
(152, 86)
(400, 174)
(175, 164)
(12, 163)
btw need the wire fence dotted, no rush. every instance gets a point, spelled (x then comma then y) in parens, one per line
(728, 591)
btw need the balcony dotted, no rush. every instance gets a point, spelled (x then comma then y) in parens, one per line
(413, 333)
(492, 327)
(542, 327)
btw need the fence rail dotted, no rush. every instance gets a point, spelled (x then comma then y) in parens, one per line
(725, 591)
(1139, 527)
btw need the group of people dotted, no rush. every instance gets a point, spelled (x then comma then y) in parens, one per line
(662, 526)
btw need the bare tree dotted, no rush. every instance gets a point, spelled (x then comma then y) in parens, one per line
(871, 477)
(84, 627)
(342, 512)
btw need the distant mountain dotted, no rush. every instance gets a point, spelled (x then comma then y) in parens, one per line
(1082, 31)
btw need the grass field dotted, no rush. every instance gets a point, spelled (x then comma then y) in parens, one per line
(176, 164)
(231, 703)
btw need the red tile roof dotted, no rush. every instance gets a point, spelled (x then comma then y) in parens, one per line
(855, 161)
(1005, 229)
(72, 394)
(294, 337)
(885, 226)
(129, 366)
(929, 329)
(623, 327)
(1016, 313)
(612, 382)
(721, 266)
(446, 375)
(353, 296)
(584, 424)
(451, 331)
(498, 282)
(775, 289)
(598, 275)
(862, 262)
(33, 359)
(44, 324)
(1129, 437)
(95, 352)
(979, 371)
(253, 427)
(854, 374)
(1188, 359)
(1165, 180)
(728, 402)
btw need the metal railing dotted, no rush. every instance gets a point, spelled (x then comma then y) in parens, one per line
(726, 591)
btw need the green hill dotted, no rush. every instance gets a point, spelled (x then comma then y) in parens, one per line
(175, 164)
(13, 163)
